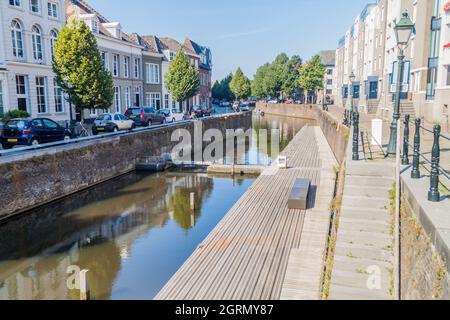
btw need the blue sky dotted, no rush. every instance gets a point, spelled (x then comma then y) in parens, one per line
(241, 33)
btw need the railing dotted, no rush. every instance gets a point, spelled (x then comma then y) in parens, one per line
(436, 169)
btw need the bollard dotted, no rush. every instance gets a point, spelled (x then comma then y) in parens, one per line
(433, 194)
(415, 174)
(355, 136)
(405, 159)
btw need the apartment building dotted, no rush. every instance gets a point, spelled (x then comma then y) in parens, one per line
(328, 59)
(426, 87)
(28, 32)
(120, 54)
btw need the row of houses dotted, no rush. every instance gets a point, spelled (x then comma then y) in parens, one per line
(369, 51)
(138, 63)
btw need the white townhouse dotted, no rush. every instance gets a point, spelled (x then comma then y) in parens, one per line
(28, 32)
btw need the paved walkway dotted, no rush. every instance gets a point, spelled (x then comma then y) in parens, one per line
(364, 261)
(257, 252)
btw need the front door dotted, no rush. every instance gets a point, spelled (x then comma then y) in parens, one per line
(373, 90)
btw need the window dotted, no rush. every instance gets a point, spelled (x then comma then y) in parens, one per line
(117, 99)
(52, 10)
(153, 73)
(17, 39)
(153, 100)
(1, 99)
(115, 65)
(137, 96)
(356, 91)
(59, 100)
(329, 82)
(95, 28)
(166, 101)
(128, 97)
(105, 60)
(40, 95)
(171, 55)
(137, 68)
(448, 76)
(37, 43)
(15, 3)
(126, 67)
(21, 90)
(35, 6)
(53, 38)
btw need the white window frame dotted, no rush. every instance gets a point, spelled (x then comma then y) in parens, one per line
(167, 101)
(59, 97)
(53, 38)
(153, 73)
(126, 66)
(128, 97)
(116, 65)
(16, 3)
(117, 106)
(36, 5)
(17, 44)
(25, 89)
(105, 60)
(41, 95)
(137, 68)
(2, 105)
(53, 10)
(38, 44)
(151, 98)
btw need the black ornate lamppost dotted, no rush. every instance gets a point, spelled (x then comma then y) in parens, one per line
(403, 32)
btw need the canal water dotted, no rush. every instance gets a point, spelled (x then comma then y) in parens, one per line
(132, 233)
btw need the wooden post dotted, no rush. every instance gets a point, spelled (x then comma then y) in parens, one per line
(192, 200)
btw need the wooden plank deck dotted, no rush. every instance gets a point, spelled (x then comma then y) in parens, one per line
(246, 256)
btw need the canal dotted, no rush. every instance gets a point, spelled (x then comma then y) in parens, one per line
(132, 233)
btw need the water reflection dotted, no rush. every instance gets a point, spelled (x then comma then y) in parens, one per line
(132, 234)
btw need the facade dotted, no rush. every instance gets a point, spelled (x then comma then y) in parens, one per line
(122, 56)
(329, 60)
(369, 50)
(28, 31)
(205, 70)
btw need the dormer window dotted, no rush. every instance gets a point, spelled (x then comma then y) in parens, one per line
(171, 55)
(95, 26)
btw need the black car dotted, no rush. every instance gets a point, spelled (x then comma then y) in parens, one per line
(145, 116)
(27, 132)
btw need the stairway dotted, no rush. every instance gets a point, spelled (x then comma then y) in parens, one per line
(407, 108)
(363, 262)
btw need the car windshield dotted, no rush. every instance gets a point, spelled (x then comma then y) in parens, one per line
(136, 112)
(104, 117)
(16, 124)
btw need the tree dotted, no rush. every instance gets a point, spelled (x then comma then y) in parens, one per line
(182, 79)
(240, 85)
(258, 87)
(311, 76)
(221, 90)
(79, 69)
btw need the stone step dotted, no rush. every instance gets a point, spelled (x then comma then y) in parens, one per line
(362, 252)
(338, 292)
(365, 226)
(370, 169)
(372, 222)
(359, 262)
(365, 191)
(365, 202)
(385, 182)
(353, 212)
(360, 278)
(367, 239)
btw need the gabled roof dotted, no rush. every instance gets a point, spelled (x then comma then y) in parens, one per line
(89, 10)
(168, 43)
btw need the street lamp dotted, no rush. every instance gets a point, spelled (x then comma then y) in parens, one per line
(352, 78)
(403, 32)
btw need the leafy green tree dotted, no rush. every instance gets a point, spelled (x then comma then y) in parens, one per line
(240, 85)
(221, 90)
(79, 69)
(311, 76)
(258, 87)
(183, 79)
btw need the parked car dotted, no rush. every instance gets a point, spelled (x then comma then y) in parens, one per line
(244, 107)
(289, 101)
(172, 115)
(110, 122)
(27, 132)
(198, 112)
(145, 116)
(225, 104)
(252, 106)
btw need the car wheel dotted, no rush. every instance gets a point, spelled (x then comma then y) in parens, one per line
(133, 126)
(173, 120)
(116, 129)
(66, 137)
(7, 146)
(94, 132)
(149, 123)
(34, 142)
(163, 121)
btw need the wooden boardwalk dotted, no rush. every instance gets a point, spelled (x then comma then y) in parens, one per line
(246, 257)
